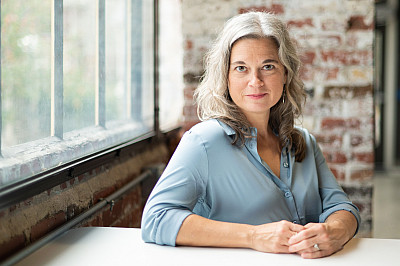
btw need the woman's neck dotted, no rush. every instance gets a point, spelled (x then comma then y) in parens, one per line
(261, 124)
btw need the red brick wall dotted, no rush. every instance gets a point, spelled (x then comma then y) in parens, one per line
(335, 39)
(27, 221)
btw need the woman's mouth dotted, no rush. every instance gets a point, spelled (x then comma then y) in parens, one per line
(256, 96)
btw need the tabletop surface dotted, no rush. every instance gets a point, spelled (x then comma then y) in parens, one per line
(124, 246)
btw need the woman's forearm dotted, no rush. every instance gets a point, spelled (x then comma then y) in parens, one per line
(343, 222)
(200, 231)
(271, 237)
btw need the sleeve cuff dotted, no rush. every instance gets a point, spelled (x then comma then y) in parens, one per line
(346, 207)
(167, 232)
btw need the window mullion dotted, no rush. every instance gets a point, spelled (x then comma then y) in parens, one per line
(136, 60)
(155, 69)
(100, 64)
(57, 68)
(0, 88)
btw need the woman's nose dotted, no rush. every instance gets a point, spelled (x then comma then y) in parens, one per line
(255, 80)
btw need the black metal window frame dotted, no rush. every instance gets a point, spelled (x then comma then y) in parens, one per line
(29, 187)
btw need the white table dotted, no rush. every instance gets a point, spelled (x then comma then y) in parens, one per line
(124, 246)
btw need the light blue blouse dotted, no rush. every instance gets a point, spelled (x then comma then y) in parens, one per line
(209, 176)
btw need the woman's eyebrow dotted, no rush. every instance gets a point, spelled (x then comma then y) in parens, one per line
(270, 61)
(238, 63)
(263, 62)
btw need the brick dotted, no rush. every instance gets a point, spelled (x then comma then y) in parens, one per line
(81, 178)
(300, 23)
(312, 40)
(137, 217)
(334, 24)
(332, 123)
(46, 225)
(359, 74)
(308, 57)
(358, 23)
(363, 57)
(361, 174)
(330, 40)
(93, 221)
(103, 194)
(332, 73)
(63, 185)
(274, 8)
(188, 93)
(345, 92)
(338, 173)
(356, 140)
(11, 246)
(336, 157)
(366, 157)
(136, 195)
(307, 73)
(188, 45)
(12, 208)
(360, 39)
(189, 124)
(315, 73)
(353, 123)
(107, 217)
(329, 140)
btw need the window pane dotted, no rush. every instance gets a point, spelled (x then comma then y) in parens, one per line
(26, 81)
(147, 64)
(79, 63)
(116, 60)
(170, 63)
(25, 70)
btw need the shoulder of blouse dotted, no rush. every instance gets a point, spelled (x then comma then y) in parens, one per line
(211, 130)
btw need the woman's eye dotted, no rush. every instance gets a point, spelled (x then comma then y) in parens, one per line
(268, 67)
(240, 68)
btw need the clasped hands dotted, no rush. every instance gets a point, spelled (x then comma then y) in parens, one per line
(287, 237)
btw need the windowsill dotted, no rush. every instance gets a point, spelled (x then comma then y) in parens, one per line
(23, 161)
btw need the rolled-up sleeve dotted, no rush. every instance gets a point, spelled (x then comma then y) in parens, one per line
(176, 193)
(332, 195)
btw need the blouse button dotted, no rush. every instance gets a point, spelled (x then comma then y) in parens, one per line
(285, 164)
(287, 194)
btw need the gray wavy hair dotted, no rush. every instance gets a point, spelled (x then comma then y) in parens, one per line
(212, 94)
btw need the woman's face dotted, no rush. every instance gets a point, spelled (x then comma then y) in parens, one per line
(256, 76)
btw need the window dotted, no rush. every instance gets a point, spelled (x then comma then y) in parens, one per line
(170, 66)
(77, 77)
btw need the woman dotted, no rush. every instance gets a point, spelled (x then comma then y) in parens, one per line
(246, 176)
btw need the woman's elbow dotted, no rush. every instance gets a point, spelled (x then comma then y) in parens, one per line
(147, 228)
